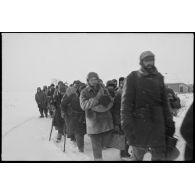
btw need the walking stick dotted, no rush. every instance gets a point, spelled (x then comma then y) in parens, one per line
(64, 129)
(51, 130)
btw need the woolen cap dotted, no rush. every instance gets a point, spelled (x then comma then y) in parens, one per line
(146, 54)
(91, 75)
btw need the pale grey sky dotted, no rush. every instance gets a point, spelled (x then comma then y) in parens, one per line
(33, 59)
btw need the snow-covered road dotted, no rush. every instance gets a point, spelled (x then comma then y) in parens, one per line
(29, 141)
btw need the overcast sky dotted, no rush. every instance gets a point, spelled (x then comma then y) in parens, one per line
(31, 60)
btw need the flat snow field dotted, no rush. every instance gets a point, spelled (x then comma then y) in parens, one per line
(25, 137)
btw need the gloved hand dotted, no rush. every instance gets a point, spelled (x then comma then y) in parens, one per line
(104, 100)
(100, 92)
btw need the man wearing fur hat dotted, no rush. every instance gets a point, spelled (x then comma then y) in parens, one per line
(145, 116)
(111, 88)
(96, 101)
(121, 84)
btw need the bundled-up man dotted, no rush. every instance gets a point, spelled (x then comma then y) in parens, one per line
(76, 123)
(96, 101)
(145, 115)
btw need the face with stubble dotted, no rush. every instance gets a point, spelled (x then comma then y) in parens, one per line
(148, 63)
(93, 81)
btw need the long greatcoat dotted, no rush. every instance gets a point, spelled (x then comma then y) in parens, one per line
(145, 114)
(70, 105)
(117, 108)
(96, 122)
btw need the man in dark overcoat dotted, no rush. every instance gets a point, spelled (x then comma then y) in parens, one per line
(76, 123)
(145, 115)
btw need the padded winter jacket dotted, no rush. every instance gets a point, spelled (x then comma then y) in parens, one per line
(96, 122)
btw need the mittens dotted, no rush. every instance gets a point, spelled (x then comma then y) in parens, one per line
(104, 100)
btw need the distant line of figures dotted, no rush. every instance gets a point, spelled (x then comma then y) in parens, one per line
(138, 112)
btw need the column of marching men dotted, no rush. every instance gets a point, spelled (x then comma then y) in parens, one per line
(135, 111)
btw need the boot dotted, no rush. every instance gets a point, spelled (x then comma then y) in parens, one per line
(81, 149)
(124, 154)
(59, 137)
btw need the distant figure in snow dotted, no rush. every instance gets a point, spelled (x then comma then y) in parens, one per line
(41, 100)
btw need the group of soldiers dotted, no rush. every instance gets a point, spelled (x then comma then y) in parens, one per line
(134, 111)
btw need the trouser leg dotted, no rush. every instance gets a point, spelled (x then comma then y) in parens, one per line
(80, 141)
(188, 154)
(125, 153)
(60, 132)
(126, 149)
(41, 110)
(158, 154)
(96, 141)
(138, 153)
(45, 111)
(113, 140)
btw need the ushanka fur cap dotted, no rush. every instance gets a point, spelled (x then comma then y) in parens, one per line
(110, 83)
(91, 75)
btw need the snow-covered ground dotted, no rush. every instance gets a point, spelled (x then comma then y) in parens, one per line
(17, 107)
(25, 136)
